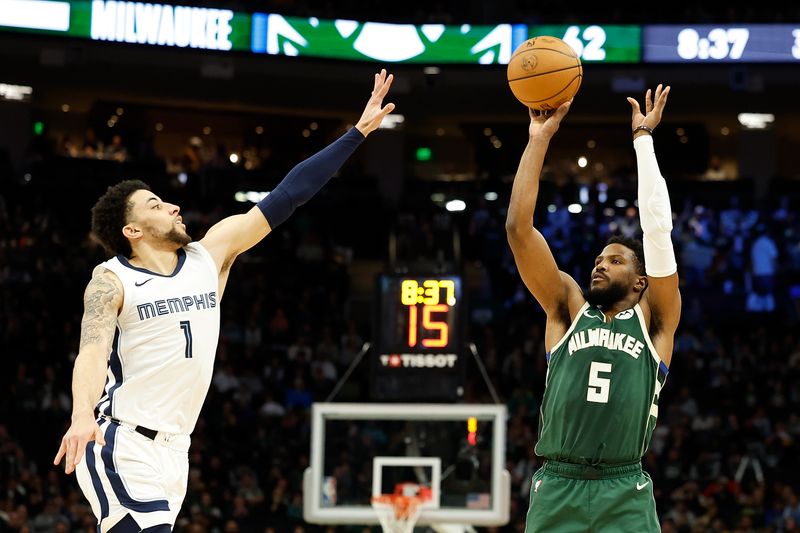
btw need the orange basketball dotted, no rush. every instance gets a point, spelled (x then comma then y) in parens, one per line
(544, 72)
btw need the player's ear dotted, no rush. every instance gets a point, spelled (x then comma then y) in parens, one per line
(641, 284)
(131, 232)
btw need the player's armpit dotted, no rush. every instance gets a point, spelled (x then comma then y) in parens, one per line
(102, 301)
(234, 235)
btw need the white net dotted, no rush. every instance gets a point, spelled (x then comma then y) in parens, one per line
(398, 514)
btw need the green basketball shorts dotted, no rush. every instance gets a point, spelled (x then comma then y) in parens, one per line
(572, 498)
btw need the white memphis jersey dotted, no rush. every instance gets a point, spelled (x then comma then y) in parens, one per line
(162, 358)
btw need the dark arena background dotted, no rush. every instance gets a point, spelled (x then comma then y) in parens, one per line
(214, 121)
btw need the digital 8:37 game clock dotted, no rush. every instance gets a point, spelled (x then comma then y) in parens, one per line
(419, 338)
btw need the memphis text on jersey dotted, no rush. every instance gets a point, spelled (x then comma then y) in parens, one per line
(607, 339)
(180, 304)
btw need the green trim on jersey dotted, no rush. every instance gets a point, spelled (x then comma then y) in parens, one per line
(603, 381)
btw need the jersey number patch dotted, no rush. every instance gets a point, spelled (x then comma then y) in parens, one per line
(598, 387)
(187, 332)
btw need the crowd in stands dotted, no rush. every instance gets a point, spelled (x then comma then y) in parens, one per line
(724, 455)
(92, 147)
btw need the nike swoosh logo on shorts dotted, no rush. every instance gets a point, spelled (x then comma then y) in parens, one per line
(643, 485)
(142, 283)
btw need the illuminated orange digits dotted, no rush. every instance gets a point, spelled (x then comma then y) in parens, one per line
(442, 327)
(412, 326)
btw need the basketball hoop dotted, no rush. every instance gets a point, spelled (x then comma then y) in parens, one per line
(400, 511)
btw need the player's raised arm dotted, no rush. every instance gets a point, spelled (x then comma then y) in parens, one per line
(236, 234)
(102, 301)
(535, 261)
(662, 297)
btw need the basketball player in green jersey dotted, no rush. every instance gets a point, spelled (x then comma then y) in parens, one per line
(608, 349)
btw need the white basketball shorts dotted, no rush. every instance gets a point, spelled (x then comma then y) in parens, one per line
(134, 475)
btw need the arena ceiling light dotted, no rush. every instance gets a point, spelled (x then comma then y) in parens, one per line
(756, 121)
(391, 122)
(15, 93)
(455, 205)
(35, 14)
(250, 196)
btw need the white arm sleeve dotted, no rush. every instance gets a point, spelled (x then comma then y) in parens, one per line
(655, 212)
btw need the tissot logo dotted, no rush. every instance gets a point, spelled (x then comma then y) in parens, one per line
(419, 360)
(161, 24)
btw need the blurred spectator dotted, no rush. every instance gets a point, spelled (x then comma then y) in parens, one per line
(92, 147)
(116, 150)
(192, 159)
(763, 259)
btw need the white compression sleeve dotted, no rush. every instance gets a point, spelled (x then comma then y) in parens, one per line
(655, 212)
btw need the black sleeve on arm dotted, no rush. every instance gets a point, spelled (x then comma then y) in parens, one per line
(307, 178)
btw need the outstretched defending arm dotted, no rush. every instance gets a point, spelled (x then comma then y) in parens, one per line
(308, 177)
(655, 213)
(236, 234)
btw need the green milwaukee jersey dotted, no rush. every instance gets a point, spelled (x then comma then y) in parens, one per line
(601, 396)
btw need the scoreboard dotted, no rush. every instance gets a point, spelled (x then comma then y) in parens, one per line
(748, 43)
(141, 23)
(418, 349)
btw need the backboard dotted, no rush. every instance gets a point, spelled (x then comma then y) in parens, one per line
(362, 450)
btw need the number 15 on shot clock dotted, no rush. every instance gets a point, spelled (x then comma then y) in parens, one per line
(419, 314)
(436, 297)
(433, 299)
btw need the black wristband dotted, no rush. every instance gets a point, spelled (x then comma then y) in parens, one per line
(643, 128)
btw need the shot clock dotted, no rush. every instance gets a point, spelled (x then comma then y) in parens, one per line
(419, 344)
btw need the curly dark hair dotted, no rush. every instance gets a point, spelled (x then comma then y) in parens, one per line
(110, 214)
(634, 245)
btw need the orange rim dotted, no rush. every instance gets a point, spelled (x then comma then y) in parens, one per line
(404, 506)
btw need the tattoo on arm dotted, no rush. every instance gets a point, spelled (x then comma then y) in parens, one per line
(100, 310)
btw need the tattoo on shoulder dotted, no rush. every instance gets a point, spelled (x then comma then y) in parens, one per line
(100, 309)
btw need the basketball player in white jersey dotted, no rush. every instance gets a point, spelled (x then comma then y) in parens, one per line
(149, 332)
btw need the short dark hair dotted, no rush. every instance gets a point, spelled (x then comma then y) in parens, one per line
(110, 214)
(634, 245)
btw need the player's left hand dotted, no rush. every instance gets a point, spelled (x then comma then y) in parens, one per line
(653, 109)
(373, 114)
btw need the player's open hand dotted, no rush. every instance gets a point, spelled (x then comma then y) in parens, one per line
(653, 108)
(82, 431)
(544, 124)
(373, 114)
